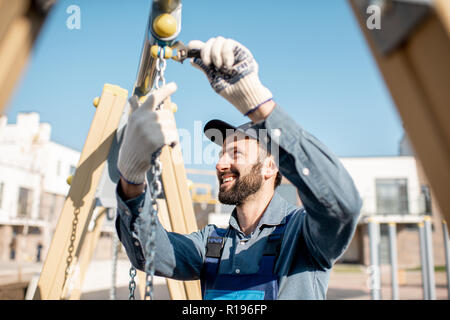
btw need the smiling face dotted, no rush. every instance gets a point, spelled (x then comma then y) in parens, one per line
(239, 169)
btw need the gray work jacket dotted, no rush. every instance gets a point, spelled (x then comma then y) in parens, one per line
(316, 236)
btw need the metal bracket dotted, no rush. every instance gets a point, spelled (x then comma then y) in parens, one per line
(399, 18)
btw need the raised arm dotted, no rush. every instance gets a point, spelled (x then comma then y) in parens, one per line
(327, 191)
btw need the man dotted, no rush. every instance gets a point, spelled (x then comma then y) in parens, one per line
(271, 249)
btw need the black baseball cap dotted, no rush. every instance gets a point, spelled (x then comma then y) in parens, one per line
(218, 130)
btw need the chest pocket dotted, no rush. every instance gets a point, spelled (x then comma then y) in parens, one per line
(273, 245)
(214, 246)
(272, 251)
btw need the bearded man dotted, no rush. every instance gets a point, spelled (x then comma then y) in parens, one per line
(271, 249)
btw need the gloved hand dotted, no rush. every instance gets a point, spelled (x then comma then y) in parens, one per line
(232, 72)
(147, 131)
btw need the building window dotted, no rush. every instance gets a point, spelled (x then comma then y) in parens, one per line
(2, 186)
(392, 196)
(24, 202)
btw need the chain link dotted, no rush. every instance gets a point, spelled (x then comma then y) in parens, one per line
(68, 273)
(161, 64)
(132, 283)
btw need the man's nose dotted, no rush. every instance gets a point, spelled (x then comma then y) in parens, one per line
(224, 162)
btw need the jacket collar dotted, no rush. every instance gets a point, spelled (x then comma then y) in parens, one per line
(274, 215)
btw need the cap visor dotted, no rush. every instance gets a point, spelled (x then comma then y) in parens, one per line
(217, 130)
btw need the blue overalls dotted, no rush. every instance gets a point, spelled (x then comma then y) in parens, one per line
(262, 285)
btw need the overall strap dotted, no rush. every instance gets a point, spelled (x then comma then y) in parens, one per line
(272, 249)
(214, 246)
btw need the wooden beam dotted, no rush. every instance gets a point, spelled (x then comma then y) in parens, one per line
(10, 11)
(20, 25)
(176, 287)
(417, 75)
(183, 189)
(14, 51)
(62, 259)
(443, 11)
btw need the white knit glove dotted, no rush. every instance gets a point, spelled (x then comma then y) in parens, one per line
(147, 131)
(232, 72)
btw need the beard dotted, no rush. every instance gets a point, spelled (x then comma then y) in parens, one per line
(243, 187)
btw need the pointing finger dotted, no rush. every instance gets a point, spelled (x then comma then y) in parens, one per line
(134, 104)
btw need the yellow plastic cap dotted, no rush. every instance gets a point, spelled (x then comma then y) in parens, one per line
(96, 102)
(165, 25)
(173, 107)
(69, 180)
(155, 51)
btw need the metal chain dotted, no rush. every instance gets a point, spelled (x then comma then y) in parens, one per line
(132, 283)
(150, 246)
(155, 190)
(70, 258)
(161, 64)
(115, 254)
(72, 240)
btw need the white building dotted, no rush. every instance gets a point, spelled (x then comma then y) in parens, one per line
(389, 186)
(392, 191)
(33, 173)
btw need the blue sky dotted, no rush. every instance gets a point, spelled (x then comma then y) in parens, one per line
(311, 54)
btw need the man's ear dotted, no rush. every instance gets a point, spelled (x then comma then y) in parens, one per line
(270, 168)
